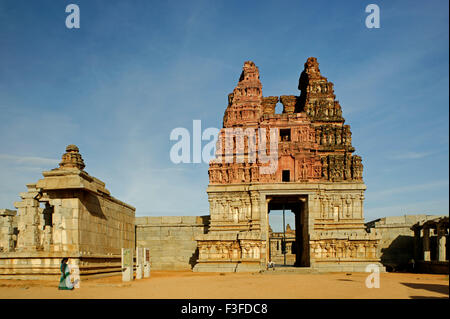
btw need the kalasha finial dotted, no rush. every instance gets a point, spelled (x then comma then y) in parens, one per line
(72, 158)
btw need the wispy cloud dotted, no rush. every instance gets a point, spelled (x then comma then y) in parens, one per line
(408, 189)
(28, 160)
(410, 155)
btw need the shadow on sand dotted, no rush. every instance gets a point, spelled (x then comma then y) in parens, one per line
(442, 289)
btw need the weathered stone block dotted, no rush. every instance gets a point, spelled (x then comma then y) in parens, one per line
(171, 220)
(141, 220)
(189, 220)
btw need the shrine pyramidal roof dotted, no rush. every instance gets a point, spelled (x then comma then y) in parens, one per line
(311, 131)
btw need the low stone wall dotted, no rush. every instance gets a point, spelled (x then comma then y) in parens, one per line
(171, 240)
(396, 247)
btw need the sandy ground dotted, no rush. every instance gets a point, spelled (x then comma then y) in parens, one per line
(182, 285)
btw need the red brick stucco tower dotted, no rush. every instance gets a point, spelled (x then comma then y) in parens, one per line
(300, 160)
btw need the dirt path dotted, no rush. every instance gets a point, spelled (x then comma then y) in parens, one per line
(181, 285)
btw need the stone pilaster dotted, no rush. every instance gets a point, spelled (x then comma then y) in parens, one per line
(417, 244)
(426, 244)
(29, 220)
(441, 243)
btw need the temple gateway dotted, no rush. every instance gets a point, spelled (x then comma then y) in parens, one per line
(317, 177)
(301, 160)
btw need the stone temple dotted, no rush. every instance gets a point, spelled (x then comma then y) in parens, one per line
(317, 177)
(68, 213)
(301, 160)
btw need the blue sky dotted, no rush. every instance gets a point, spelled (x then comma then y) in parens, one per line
(135, 70)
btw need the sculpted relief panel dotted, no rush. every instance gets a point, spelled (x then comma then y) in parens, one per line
(234, 207)
(341, 206)
(238, 250)
(332, 249)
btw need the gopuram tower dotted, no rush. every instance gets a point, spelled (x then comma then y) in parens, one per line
(301, 160)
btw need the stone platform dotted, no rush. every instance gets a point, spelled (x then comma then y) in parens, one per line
(338, 267)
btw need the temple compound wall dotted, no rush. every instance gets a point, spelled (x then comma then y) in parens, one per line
(396, 248)
(171, 240)
(311, 171)
(70, 214)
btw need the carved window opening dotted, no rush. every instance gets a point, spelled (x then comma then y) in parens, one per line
(285, 135)
(48, 215)
(286, 176)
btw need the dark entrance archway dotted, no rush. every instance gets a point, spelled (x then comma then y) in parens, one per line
(297, 204)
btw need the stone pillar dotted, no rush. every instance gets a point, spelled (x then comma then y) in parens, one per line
(127, 264)
(426, 244)
(58, 225)
(146, 263)
(441, 242)
(139, 263)
(265, 231)
(7, 229)
(416, 244)
(255, 207)
(48, 238)
(28, 220)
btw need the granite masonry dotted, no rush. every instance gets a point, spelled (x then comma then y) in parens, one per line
(171, 240)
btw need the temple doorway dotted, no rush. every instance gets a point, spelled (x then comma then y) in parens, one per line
(288, 231)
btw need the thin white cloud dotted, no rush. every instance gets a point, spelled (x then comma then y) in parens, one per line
(410, 155)
(28, 160)
(408, 188)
